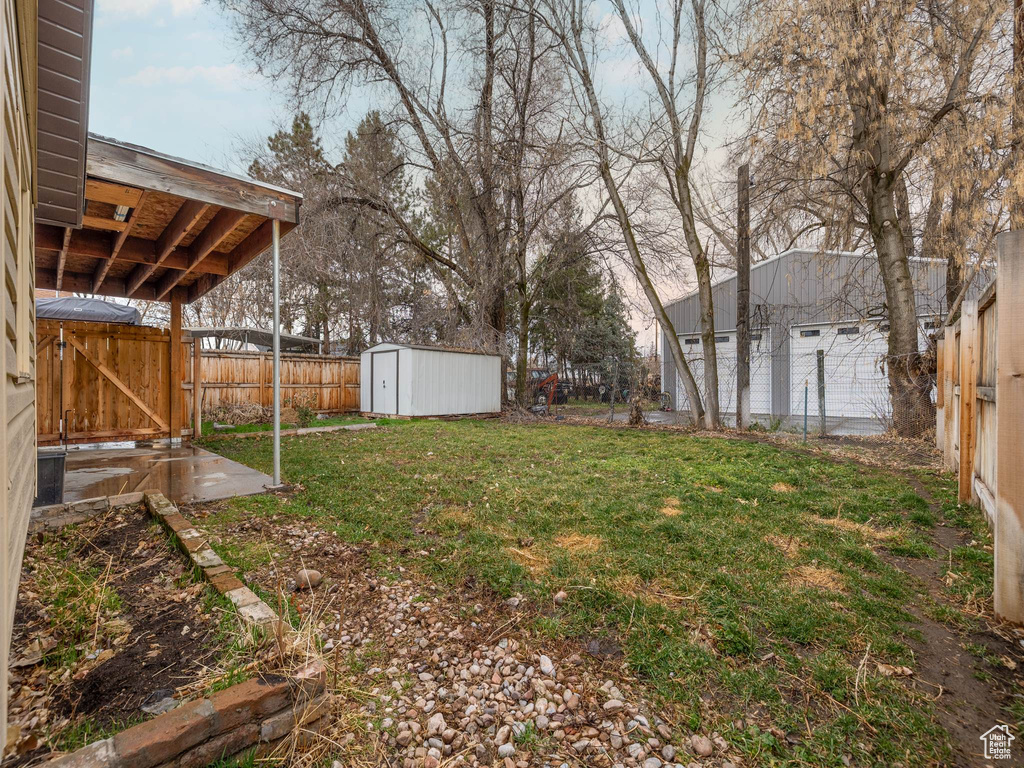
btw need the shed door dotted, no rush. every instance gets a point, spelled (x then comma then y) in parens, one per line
(385, 382)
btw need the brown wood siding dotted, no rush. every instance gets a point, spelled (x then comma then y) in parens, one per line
(17, 406)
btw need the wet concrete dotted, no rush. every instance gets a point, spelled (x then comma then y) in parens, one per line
(184, 474)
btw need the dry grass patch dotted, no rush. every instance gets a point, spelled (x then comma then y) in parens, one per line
(534, 562)
(781, 487)
(671, 508)
(711, 488)
(877, 534)
(577, 543)
(817, 577)
(790, 546)
(461, 516)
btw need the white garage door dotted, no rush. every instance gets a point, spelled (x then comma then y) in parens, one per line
(725, 349)
(855, 377)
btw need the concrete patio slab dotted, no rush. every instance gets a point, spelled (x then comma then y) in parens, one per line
(184, 474)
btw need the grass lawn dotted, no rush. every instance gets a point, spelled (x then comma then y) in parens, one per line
(741, 580)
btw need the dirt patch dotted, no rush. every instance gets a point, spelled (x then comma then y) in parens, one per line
(577, 543)
(107, 615)
(671, 508)
(817, 577)
(781, 487)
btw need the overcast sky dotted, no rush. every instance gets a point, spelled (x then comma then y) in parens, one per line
(168, 75)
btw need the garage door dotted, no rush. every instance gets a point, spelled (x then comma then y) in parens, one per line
(855, 378)
(725, 349)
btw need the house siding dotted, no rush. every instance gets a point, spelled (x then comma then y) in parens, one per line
(801, 287)
(18, 33)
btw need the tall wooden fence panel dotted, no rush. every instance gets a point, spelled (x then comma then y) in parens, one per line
(328, 384)
(981, 416)
(111, 383)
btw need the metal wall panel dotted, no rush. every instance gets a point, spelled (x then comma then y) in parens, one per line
(801, 287)
(65, 47)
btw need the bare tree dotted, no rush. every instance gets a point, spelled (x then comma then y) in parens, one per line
(854, 103)
(671, 141)
(568, 20)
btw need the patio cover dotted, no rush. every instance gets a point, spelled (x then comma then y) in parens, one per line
(264, 340)
(160, 228)
(156, 225)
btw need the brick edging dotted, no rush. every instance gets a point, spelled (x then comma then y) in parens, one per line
(250, 607)
(264, 713)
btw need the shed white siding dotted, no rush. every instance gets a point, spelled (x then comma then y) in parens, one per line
(430, 381)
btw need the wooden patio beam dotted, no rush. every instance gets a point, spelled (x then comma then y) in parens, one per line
(62, 256)
(220, 226)
(141, 167)
(186, 217)
(100, 274)
(79, 282)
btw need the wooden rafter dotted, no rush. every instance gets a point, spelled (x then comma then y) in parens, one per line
(98, 222)
(256, 243)
(114, 194)
(62, 256)
(220, 226)
(187, 216)
(133, 250)
(104, 266)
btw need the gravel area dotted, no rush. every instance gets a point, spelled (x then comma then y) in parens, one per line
(430, 677)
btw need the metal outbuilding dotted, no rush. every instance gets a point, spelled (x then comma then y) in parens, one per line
(803, 301)
(417, 380)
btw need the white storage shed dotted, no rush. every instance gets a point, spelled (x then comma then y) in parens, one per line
(416, 380)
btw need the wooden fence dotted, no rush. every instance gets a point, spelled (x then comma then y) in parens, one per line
(114, 382)
(328, 384)
(980, 427)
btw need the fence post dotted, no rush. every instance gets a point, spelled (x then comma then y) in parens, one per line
(1009, 491)
(197, 388)
(968, 397)
(950, 358)
(940, 392)
(821, 390)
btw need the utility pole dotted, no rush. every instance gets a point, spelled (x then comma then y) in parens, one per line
(743, 297)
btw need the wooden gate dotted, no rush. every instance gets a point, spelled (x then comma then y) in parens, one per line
(112, 383)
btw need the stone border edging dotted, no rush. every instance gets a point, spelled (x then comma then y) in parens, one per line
(292, 432)
(57, 516)
(247, 603)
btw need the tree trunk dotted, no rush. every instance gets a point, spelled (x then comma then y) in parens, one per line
(909, 383)
(524, 343)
